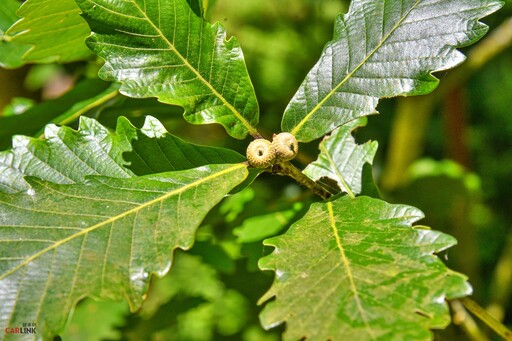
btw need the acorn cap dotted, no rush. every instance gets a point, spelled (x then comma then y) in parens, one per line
(286, 146)
(260, 153)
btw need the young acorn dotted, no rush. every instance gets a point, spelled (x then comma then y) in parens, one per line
(285, 146)
(261, 154)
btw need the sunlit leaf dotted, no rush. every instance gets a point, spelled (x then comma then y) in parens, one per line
(160, 48)
(104, 237)
(382, 49)
(355, 269)
(54, 29)
(65, 156)
(10, 52)
(341, 159)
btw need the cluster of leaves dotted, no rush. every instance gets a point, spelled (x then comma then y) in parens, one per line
(95, 213)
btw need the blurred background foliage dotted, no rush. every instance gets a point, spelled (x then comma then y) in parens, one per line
(448, 153)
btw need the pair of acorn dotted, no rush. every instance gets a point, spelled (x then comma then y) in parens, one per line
(262, 153)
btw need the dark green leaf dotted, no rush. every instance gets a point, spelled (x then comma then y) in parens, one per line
(86, 95)
(102, 238)
(355, 269)
(160, 48)
(341, 159)
(155, 150)
(54, 29)
(382, 48)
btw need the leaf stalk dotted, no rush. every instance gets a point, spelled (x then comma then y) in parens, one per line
(288, 169)
(486, 318)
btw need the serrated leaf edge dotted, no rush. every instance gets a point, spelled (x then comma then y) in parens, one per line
(296, 129)
(235, 112)
(119, 216)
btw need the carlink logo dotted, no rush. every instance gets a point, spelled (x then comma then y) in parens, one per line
(25, 328)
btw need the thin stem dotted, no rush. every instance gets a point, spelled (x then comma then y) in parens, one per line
(489, 320)
(286, 168)
(462, 318)
(501, 284)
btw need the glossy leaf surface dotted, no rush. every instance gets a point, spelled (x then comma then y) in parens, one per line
(54, 29)
(154, 150)
(355, 269)
(382, 48)
(65, 156)
(60, 243)
(10, 52)
(160, 48)
(342, 160)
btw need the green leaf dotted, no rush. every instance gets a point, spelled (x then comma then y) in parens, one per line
(160, 48)
(10, 52)
(8, 15)
(219, 308)
(103, 315)
(17, 106)
(85, 96)
(260, 227)
(341, 159)
(382, 48)
(355, 269)
(155, 150)
(102, 238)
(65, 157)
(54, 29)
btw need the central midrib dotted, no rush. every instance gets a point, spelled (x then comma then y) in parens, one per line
(119, 216)
(295, 130)
(348, 269)
(239, 116)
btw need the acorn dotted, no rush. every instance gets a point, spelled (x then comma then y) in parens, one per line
(261, 154)
(285, 146)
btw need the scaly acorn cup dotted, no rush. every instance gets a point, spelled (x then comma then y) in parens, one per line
(261, 153)
(286, 146)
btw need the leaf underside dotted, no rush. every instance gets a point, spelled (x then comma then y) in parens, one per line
(355, 269)
(342, 160)
(102, 238)
(160, 48)
(382, 48)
